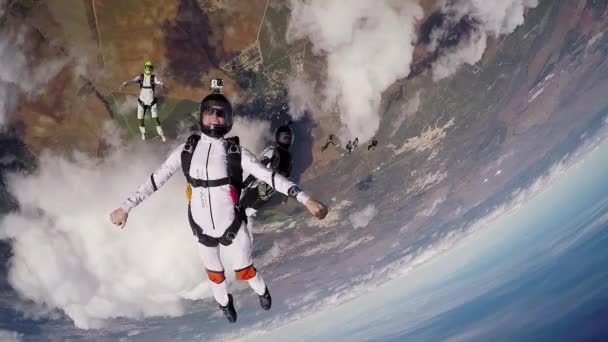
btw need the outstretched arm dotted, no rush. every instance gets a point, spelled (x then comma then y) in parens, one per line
(265, 159)
(156, 180)
(158, 81)
(134, 80)
(280, 183)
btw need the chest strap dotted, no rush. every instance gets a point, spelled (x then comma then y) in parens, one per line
(203, 183)
(152, 82)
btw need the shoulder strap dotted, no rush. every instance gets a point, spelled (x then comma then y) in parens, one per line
(235, 170)
(141, 80)
(152, 82)
(187, 154)
(265, 159)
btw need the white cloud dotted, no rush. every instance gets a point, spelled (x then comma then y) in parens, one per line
(362, 218)
(469, 52)
(5, 335)
(67, 254)
(432, 209)
(128, 106)
(269, 256)
(326, 246)
(488, 18)
(87, 267)
(368, 45)
(302, 97)
(253, 134)
(20, 73)
(356, 243)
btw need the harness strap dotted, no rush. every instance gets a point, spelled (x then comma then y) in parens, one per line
(202, 183)
(146, 106)
(228, 236)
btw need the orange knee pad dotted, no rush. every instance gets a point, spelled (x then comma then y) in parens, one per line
(216, 277)
(246, 273)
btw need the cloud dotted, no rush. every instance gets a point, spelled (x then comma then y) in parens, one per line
(326, 246)
(432, 209)
(368, 45)
(67, 255)
(362, 218)
(302, 98)
(270, 255)
(86, 267)
(461, 36)
(127, 106)
(5, 335)
(356, 243)
(20, 72)
(253, 134)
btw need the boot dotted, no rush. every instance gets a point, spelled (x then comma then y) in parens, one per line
(142, 130)
(229, 310)
(266, 300)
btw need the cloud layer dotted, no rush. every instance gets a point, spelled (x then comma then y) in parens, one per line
(67, 254)
(368, 45)
(473, 22)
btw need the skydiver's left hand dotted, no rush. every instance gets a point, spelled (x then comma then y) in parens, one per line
(316, 208)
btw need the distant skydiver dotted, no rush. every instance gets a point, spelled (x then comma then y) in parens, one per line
(355, 143)
(284, 109)
(213, 166)
(330, 140)
(277, 158)
(147, 99)
(373, 144)
(349, 147)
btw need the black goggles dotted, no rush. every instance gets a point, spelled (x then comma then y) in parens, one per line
(219, 112)
(220, 109)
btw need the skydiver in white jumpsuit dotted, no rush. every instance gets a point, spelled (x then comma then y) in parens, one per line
(214, 214)
(147, 99)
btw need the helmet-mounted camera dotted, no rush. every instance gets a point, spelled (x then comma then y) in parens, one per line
(216, 85)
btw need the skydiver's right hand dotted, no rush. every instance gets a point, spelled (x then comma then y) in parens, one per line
(124, 84)
(318, 209)
(119, 217)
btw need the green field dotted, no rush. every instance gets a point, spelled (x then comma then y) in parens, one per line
(170, 112)
(272, 36)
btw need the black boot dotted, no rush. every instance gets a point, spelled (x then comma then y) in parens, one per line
(266, 300)
(229, 310)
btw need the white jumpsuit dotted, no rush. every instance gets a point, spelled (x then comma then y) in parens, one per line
(147, 99)
(146, 95)
(213, 208)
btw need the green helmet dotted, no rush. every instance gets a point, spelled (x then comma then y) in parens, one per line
(148, 67)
